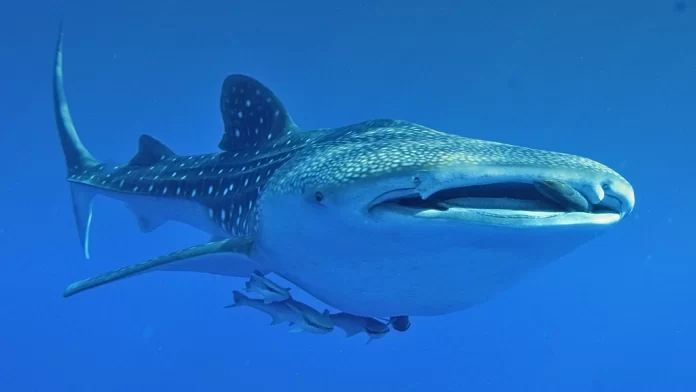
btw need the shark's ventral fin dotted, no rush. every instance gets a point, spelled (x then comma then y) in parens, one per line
(252, 114)
(150, 151)
(234, 250)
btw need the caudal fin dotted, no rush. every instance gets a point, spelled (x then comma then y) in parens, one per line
(238, 299)
(77, 158)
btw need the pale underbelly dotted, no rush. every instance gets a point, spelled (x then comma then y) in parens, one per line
(395, 276)
(416, 285)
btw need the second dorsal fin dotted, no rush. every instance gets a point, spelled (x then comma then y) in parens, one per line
(252, 114)
(150, 151)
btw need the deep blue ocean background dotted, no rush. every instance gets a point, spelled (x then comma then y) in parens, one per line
(611, 80)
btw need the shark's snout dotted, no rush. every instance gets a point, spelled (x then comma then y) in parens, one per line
(618, 196)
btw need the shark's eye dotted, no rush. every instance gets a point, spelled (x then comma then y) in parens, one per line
(319, 197)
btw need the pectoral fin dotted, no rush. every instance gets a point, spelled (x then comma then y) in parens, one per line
(227, 257)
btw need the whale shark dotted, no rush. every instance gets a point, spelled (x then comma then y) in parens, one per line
(382, 218)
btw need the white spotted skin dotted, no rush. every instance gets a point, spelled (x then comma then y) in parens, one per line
(216, 193)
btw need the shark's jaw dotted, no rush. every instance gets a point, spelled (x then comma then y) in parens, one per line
(430, 242)
(515, 198)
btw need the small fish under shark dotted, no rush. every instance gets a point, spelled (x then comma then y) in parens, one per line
(383, 218)
(278, 303)
(300, 316)
(353, 325)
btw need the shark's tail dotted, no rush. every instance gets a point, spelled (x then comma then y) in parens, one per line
(77, 158)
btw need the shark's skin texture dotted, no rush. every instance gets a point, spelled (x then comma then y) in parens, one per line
(379, 219)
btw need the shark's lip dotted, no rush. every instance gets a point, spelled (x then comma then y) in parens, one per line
(502, 217)
(504, 203)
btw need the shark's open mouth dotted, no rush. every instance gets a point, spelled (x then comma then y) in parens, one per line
(539, 199)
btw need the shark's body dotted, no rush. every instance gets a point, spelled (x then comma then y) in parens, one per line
(381, 218)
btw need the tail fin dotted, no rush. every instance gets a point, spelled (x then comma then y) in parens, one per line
(77, 158)
(238, 299)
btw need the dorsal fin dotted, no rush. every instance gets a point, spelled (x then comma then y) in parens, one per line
(150, 151)
(252, 114)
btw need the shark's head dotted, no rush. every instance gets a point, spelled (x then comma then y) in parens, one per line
(393, 190)
(389, 174)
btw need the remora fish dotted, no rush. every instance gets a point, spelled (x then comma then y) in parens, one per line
(353, 325)
(266, 288)
(381, 218)
(300, 316)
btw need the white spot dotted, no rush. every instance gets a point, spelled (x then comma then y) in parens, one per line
(211, 213)
(270, 135)
(193, 193)
(150, 189)
(236, 131)
(164, 191)
(224, 193)
(246, 182)
(183, 177)
(121, 184)
(277, 112)
(231, 187)
(261, 120)
(135, 188)
(174, 174)
(178, 190)
(256, 131)
(247, 103)
(258, 178)
(200, 173)
(240, 114)
(210, 190)
(222, 213)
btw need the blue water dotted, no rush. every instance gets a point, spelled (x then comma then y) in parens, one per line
(611, 80)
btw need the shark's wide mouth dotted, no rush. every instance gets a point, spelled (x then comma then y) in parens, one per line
(545, 203)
